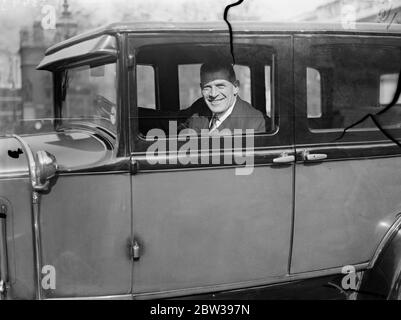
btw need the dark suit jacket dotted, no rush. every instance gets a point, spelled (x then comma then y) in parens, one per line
(243, 116)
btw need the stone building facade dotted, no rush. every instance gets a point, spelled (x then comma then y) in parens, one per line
(10, 92)
(37, 94)
(26, 93)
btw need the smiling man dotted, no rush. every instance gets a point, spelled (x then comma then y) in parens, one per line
(221, 107)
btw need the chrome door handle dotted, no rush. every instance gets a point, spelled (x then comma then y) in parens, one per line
(134, 166)
(284, 158)
(313, 156)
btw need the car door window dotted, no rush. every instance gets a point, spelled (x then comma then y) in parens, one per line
(341, 80)
(171, 87)
(356, 80)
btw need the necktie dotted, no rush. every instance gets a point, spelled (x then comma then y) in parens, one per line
(213, 122)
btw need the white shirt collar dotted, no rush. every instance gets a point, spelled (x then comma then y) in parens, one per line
(224, 116)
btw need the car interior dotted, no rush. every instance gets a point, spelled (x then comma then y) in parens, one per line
(171, 73)
(362, 83)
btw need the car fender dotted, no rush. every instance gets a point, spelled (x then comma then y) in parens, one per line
(382, 279)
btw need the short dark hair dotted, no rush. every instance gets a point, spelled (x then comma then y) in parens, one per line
(219, 65)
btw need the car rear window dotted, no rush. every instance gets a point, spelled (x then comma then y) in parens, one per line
(345, 82)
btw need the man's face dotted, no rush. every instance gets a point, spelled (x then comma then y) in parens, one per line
(219, 94)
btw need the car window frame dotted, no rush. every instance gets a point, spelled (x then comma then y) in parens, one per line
(61, 122)
(281, 45)
(306, 135)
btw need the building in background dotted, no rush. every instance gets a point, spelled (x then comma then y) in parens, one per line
(26, 93)
(10, 92)
(36, 86)
(37, 92)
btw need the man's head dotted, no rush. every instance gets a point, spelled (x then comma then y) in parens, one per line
(219, 85)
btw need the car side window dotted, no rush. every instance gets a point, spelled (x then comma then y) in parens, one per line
(169, 89)
(345, 82)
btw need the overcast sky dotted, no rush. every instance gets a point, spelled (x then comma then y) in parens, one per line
(281, 8)
(20, 12)
(15, 14)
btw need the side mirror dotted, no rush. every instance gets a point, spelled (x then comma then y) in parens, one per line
(45, 169)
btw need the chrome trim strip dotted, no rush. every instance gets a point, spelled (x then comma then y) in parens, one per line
(30, 157)
(62, 174)
(13, 175)
(203, 159)
(386, 238)
(245, 285)
(35, 205)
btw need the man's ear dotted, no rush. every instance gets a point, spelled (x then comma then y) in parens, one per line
(236, 84)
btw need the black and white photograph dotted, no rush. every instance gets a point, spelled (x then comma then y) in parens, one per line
(185, 150)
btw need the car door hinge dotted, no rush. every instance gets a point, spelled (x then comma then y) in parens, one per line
(134, 250)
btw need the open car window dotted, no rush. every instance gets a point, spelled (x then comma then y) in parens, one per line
(168, 82)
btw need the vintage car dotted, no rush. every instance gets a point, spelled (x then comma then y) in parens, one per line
(115, 202)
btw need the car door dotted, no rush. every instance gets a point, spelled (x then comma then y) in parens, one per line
(346, 186)
(199, 224)
(85, 232)
(85, 217)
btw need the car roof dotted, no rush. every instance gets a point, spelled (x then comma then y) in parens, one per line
(237, 26)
